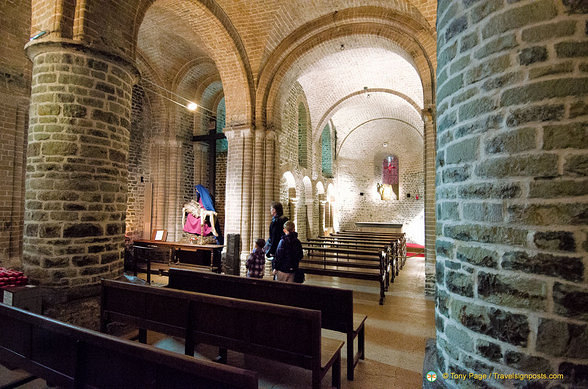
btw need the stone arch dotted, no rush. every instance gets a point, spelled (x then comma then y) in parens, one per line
(419, 42)
(329, 114)
(200, 83)
(373, 120)
(159, 106)
(228, 52)
(290, 180)
(288, 194)
(320, 188)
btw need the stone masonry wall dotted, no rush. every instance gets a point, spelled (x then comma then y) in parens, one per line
(77, 167)
(512, 285)
(139, 169)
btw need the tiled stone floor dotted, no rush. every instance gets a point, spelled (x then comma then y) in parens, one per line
(396, 334)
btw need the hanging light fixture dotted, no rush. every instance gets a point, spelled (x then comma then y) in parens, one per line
(189, 105)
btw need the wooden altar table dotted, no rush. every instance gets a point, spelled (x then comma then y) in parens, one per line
(176, 258)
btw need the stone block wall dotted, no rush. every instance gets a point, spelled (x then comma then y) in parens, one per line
(139, 168)
(185, 131)
(512, 285)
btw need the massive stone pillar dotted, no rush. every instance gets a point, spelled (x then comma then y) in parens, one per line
(76, 181)
(512, 286)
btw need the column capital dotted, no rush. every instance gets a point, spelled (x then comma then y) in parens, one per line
(243, 131)
(260, 135)
(428, 113)
(35, 48)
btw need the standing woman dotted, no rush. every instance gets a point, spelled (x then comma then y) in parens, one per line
(276, 230)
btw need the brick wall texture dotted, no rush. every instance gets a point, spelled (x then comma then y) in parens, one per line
(15, 74)
(511, 188)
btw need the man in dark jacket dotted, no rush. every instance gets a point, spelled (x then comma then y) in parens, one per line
(276, 230)
(288, 254)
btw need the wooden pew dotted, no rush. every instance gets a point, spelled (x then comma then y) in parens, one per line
(392, 237)
(390, 250)
(336, 305)
(74, 357)
(364, 266)
(285, 334)
(392, 247)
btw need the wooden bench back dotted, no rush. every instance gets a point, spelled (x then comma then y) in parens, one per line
(71, 356)
(336, 305)
(287, 334)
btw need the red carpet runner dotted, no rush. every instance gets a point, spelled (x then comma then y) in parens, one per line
(414, 250)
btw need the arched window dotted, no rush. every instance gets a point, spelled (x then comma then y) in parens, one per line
(389, 190)
(326, 152)
(302, 129)
(221, 144)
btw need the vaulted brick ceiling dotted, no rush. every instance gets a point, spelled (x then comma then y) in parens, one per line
(334, 74)
(177, 54)
(333, 80)
(357, 80)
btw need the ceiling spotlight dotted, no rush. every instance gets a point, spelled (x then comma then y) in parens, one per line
(192, 106)
(385, 144)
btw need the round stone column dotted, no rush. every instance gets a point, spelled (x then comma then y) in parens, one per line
(76, 181)
(258, 187)
(512, 287)
(269, 179)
